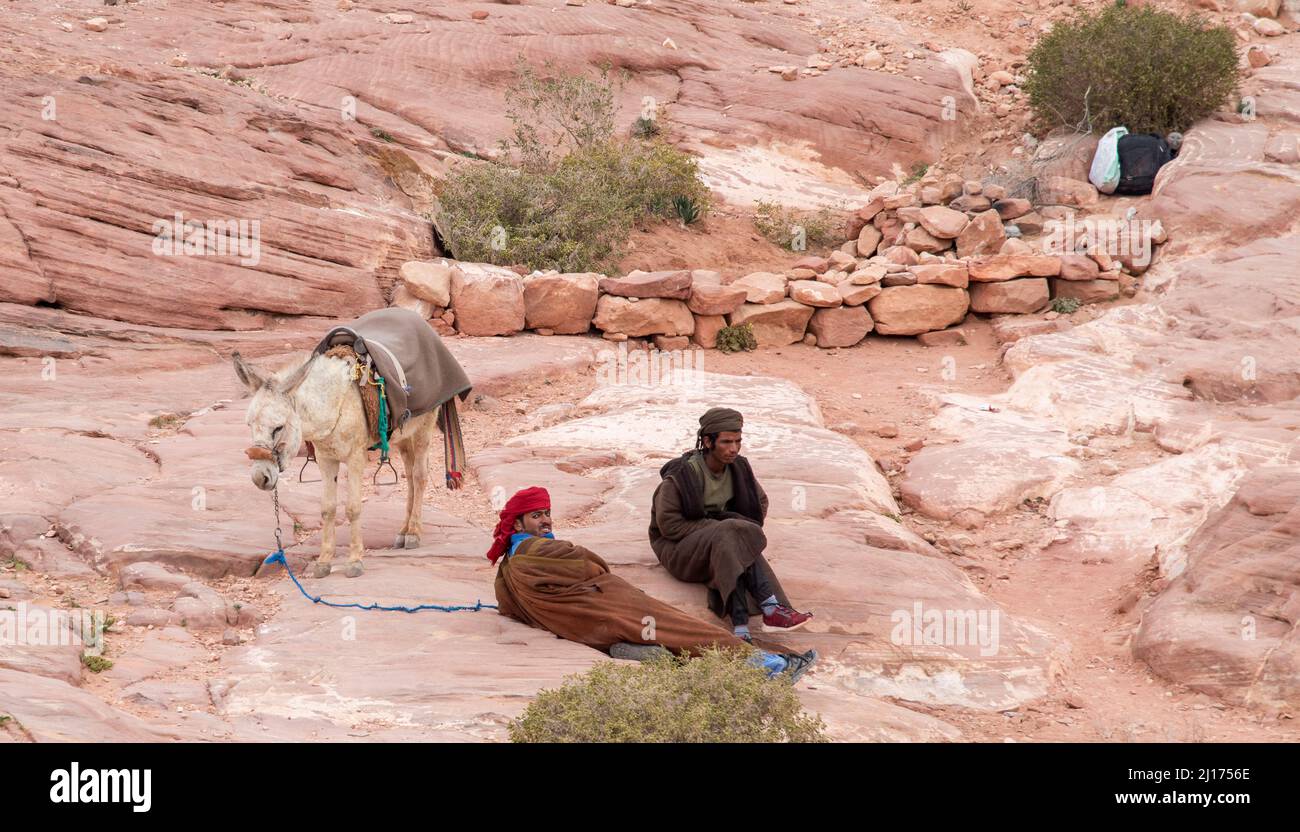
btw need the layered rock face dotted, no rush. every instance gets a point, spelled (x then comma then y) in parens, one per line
(1204, 370)
(285, 169)
(117, 201)
(1227, 625)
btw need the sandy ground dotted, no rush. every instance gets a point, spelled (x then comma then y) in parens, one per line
(886, 386)
(1105, 695)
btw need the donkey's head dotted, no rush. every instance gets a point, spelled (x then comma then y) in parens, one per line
(273, 419)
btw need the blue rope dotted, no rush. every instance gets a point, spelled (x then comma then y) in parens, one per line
(278, 557)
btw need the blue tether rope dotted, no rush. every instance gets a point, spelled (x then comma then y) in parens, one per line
(278, 557)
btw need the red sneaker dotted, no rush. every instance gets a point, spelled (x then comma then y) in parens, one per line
(785, 618)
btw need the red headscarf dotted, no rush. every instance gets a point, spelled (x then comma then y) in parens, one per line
(530, 499)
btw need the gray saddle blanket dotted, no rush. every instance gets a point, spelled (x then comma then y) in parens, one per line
(419, 372)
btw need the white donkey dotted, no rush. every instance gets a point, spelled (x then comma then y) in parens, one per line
(318, 401)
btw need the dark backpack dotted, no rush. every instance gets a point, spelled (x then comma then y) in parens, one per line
(1141, 156)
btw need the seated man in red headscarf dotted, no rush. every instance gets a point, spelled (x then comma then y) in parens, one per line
(561, 587)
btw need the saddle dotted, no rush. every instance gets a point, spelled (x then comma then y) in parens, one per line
(420, 373)
(398, 353)
(367, 384)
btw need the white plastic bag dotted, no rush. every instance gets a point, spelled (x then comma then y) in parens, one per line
(1104, 173)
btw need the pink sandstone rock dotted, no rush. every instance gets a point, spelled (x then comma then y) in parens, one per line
(841, 327)
(941, 273)
(430, 281)
(1078, 267)
(774, 324)
(984, 235)
(649, 316)
(1224, 627)
(763, 287)
(706, 330)
(814, 293)
(856, 295)
(812, 261)
(716, 300)
(1085, 291)
(1020, 296)
(487, 300)
(943, 222)
(868, 240)
(996, 267)
(562, 303)
(638, 284)
(919, 240)
(911, 310)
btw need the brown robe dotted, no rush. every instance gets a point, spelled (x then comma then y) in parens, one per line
(711, 550)
(558, 586)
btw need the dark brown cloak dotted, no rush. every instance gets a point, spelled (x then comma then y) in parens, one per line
(568, 590)
(714, 550)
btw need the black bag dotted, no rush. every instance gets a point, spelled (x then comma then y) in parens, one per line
(1141, 156)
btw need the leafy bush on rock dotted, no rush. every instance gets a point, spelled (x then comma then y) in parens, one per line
(716, 697)
(1149, 70)
(572, 192)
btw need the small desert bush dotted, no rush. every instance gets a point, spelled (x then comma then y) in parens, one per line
(918, 170)
(645, 128)
(688, 210)
(781, 226)
(1065, 306)
(717, 697)
(1149, 70)
(96, 664)
(736, 338)
(571, 192)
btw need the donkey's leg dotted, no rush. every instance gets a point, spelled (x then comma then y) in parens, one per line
(329, 472)
(416, 485)
(356, 471)
(404, 449)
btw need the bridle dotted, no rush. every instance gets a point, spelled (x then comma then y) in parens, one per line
(262, 452)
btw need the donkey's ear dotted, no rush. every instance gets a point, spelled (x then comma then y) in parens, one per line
(293, 380)
(248, 374)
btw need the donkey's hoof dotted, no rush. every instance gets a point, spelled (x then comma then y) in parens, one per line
(399, 542)
(354, 569)
(320, 570)
(412, 541)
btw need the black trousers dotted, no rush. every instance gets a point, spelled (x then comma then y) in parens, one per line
(751, 582)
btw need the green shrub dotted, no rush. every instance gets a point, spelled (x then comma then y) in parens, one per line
(736, 338)
(645, 128)
(1148, 70)
(918, 170)
(96, 664)
(688, 210)
(657, 175)
(556, 116)
(1065, 306)
(779, 225)
(574, 192)
(717, 697)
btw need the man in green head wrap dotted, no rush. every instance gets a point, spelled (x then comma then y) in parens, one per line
(707, 527)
